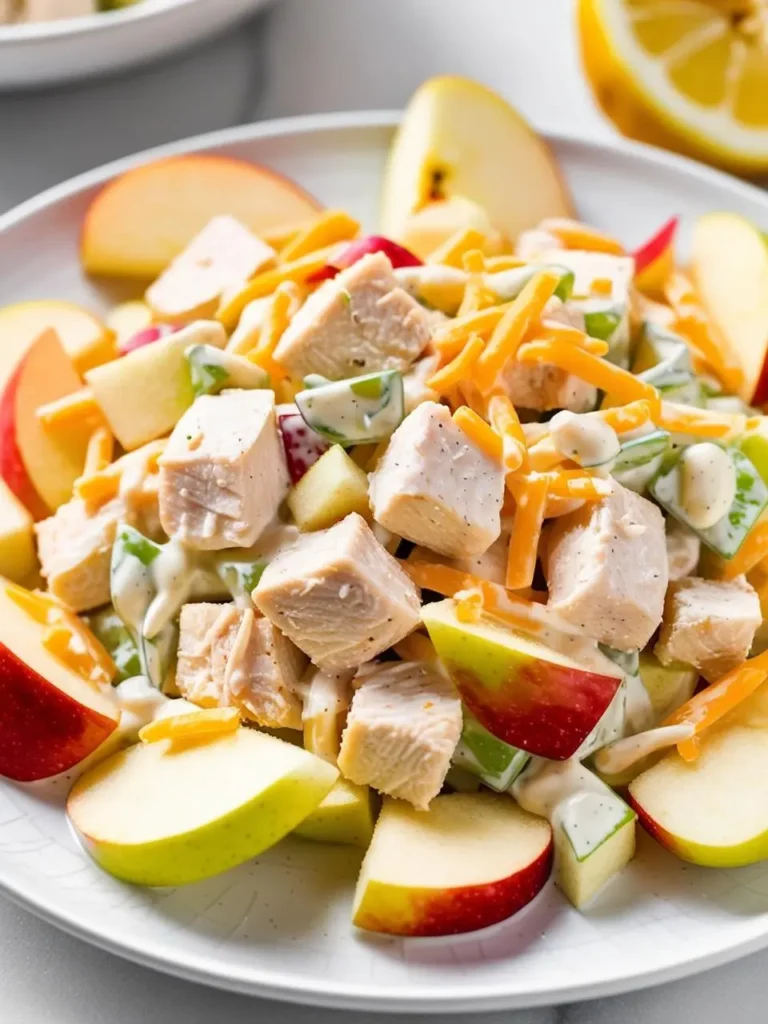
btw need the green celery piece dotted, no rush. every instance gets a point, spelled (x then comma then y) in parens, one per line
(319, 404)
(241, 578)
(602, 323)
(637, 451)
(565, 285)
(109, 629)
(627, 661)
(726, 536)
(206, 377)
(134, 543)
(372, 386)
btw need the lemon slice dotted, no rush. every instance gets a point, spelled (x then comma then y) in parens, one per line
(690, 75)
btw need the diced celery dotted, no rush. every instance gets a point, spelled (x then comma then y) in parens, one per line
(728, 534)
(357, 410)
(241, 577)
(639, 450)
(212, 369)
(110, 630)
(602, 323)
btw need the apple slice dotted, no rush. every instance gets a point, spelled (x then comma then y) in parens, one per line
(398, 256)
(458, 138)
(729, 267)
(654, 260)
(165, 814)
(18, 559)
(432, 225)
(38, 465)
(144, 394)
(713, 811)
(51, 718)
(522, 691)
(667, 686)
(127, 318)
(345, 816)
(141, 220)
(86, 340)
(470, 861)
(302, 445)
(147, 336)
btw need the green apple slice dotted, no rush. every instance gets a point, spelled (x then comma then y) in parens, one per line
(163, 814)
(346, 816)
(594, 830)
(667, 686)
(495, 763)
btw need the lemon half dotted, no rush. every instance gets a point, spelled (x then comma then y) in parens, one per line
(689, 75)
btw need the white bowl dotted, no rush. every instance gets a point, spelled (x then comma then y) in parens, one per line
(279, 926)
(58, 51)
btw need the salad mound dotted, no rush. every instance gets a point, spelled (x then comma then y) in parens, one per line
(449, 543)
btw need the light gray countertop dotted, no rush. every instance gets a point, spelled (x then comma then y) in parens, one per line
(304, 56)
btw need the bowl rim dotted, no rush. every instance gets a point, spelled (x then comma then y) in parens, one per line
(285, 987)
(81, 25)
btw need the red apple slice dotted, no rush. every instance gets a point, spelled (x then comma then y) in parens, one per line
(141, 220)
(470, 861)
(303, 447)
(521, 690)
(398, 255)
(84, 338)
(147, 336)
(657, 244)
(40, 466)
(50, 717)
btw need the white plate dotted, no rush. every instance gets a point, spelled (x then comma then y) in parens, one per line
(280, 927)
(73, 48)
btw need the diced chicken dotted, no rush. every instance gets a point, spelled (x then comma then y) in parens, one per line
(230, 658)
(224, 253)
(435, 487)
(339, 596)
(359, 322)
(709, 624)
(589, 267)
(563, 313)
(75, 550)
(606, 567)
(543, 387)
(326, 702)
(683, 550)
(223, 473)
(415, 390)
(401, 732)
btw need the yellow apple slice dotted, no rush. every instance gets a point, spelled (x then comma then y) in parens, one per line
(729, 267)
(345, 816)
(713, 811)
(18, 560)
(164, 814)
(50, 717)
(458, 138)
(471, 860)
(86, 340)
(128, 318)
(140, 221)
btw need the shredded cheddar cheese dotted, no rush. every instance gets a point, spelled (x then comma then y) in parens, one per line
(80, 409)
(285, 304)
(469, 605)
(331, 227)
(451, 337)
(194, 725)
(596, 371)
(508, 333)
(687, 419)
(711, 704)
(625, 418)
(573, 235)
(100, 450)
(526, 533)
(479, 433)
(506, 423)
(451, 253)
(459, 367)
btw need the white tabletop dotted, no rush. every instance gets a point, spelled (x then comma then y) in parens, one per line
(306, 55)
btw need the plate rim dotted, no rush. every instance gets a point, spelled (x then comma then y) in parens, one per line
(339, 995)
(85, 24)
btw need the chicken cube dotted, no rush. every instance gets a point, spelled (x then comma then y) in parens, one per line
(230, 658)
(683, 550)
(433, 486)
(359, 322)
(339, 596)
(75, 550)
(543, 387)
(224, 253)
(709, 624)
(606, 567)
(223, 473)
(401, 732)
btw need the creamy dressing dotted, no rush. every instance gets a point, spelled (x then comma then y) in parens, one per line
(573, 799)
(586, 440)
(707, 484)
(359, 410)
(215, 368)
(623, 754)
